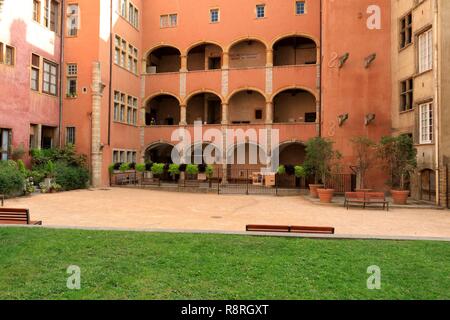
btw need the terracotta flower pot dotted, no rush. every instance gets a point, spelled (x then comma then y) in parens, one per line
(313, 190)
(325, 195)
(400, 196)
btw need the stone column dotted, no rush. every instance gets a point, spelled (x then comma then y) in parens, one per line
(225, 60)
(269, 112)
(224, 113)
(39, 137)
(183, 63)
(96, 147)
(183, 121)
(269, 58)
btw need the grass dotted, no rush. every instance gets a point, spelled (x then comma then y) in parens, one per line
(131, 265)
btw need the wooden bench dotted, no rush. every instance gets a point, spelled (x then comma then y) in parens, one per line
(289, 229)
(355, 197)
(16, 216)
(366, 199)
(377, 198)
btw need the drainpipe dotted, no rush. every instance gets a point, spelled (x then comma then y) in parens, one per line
(61, 68)
(436, 105)
(320, 68)
(111, 36)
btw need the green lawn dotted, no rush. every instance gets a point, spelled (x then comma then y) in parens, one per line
(129, 265)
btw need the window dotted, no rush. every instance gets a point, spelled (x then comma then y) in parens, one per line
(406, 94)
(9, 56)
(72, 81)
(37, 11)
(5, 143)
(121, 156)
(406, 30)
(260, 11)
(54, 16)
(426, 123)
(49, 83)
(46, 13)
(35, 72)
(119, 106)
(72, 20)
(70, 135)
(258, 114)
(300, 7)
(123, 8)
(169, 21)
(116, 156)
(125, 55)
(215, 15)
(426, 51)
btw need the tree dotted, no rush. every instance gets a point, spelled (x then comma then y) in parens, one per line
(365, 150)
(399, 157)
(320, 158)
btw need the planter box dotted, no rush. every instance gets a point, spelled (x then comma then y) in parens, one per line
(201, 176)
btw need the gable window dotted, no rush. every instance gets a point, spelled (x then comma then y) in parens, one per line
(260, 11)
(426, 123)
(406, 30)
(72, 18)
(49, 83)
(215, 15)
(70, 135)
(426, 51)
(37, 10)
(300, 7)
(406, 94)
(169, 21)
(35, 71)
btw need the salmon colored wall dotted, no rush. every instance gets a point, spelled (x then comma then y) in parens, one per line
(354, 89)
(19, 105)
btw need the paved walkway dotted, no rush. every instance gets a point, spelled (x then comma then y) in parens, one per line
(146, 209)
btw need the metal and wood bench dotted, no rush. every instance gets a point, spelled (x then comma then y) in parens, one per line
(366, 199)
(355, 198)
(377, 198)
(16, 216)
(289, 229)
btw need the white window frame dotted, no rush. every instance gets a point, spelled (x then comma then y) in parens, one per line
(213, 18)
(426, 125)
(425, 54)
(258, 11)
(297, 3)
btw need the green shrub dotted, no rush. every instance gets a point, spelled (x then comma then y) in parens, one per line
(66, 154)
(37, 176)
(140, 167)
(174, 169)
(209, 171)
(111, 168)
(192, 169)
(70, 177)
(281, 170)
(158, 168)
(11, 179)
(124, 167)
(300, 172)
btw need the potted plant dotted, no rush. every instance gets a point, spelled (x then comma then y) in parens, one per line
(124, 167)
(364, 149)
(399, 156)
(140, 167)
(209, 173)
(174, 170)
(148, 170)
(192, 171)
(281, 170)
(49, 174)
(320, 160)
(158, 169)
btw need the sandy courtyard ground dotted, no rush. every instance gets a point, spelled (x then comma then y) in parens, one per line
(135, 208)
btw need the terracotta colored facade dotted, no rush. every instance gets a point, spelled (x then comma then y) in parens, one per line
(226, 63)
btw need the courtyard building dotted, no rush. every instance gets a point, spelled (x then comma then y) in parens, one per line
(116, 78)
